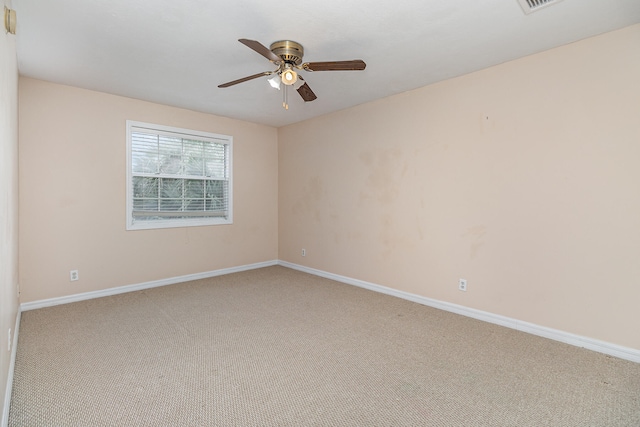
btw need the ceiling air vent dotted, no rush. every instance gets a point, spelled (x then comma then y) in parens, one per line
(529, 6)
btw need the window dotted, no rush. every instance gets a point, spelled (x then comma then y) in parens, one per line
(177, 177)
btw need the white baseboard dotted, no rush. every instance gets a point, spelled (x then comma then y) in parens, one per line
(621, 352)
(604, 347)
(12, 364)
(140, 286)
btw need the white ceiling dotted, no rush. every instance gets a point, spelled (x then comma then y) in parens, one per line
(178, 52)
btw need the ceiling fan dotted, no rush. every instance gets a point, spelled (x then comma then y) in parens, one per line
(287, 56)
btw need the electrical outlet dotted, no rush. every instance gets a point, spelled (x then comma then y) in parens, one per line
(304, 252)
(73, 275)
(462, 284)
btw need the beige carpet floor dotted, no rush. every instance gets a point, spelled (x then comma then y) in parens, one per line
(277, 347)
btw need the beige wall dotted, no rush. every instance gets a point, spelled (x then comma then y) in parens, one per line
(8, 199)
(72, 195)
(522, 178)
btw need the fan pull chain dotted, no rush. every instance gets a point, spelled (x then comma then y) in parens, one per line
(285, 98)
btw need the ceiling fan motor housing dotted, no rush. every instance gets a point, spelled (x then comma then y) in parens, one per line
(291, 52)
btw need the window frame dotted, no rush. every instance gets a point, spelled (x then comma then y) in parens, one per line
(148, 224)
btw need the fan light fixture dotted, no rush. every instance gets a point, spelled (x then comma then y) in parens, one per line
(289, 76)
(275, 82)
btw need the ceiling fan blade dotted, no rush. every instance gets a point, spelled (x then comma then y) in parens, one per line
(306, 93)
(261, 49)
(355, 65)
(246, 79)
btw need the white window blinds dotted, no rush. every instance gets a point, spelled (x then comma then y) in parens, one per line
(177, 177)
